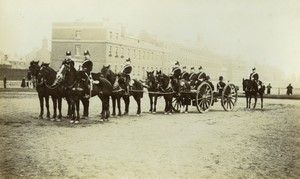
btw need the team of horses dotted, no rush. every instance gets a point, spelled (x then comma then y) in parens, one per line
(68, 83)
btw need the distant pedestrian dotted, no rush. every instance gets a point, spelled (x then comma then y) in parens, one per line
(289, 90)
(4, 81)
(23, 84)
(269, 88)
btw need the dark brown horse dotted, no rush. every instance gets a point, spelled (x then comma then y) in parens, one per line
(42, 90)
(251, 90)
(45, 76)
(152, 83)
(118, 83)
(169, 86)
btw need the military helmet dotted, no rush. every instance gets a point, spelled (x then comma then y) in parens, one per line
(177, 63)
(220, 77)
(200, 68)
(68, 53)
(253, 68)
(128, 60)
(192, 68)
(184, 67)
(86, 52)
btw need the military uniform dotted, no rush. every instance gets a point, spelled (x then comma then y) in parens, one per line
(220, 85)
(254, 76)
(176, 72)
(87, 66)
(126, 72)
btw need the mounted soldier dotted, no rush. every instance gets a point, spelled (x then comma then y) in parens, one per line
(87, 67)
(126, 73)
(255, 77)
(67, 60)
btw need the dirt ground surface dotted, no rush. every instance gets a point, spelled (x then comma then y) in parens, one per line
(260, 143)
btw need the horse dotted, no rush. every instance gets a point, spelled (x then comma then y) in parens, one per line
(152, 82)
(170, 87)
(47, 76)
(42, 90)
(251, 90)
(118, 82)
(184, 98)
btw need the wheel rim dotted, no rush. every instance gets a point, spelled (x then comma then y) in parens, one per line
(176, 104)
(229, 97)
(204, 97)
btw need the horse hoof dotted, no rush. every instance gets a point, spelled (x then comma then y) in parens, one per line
(165, 113)
(153, 112)
(52, 119)
(72, 121)
(58, 120)
(76, 122)
(186, 112)
(170, 113)
(101, 120)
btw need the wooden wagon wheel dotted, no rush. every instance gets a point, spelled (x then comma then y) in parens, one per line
(204, 97)
(229, 97)
(176, 104)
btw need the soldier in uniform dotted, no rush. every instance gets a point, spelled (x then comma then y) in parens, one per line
(193, 77)
(176, 71)
(254, 76)
(87, 67)
(67, 60)
(184, 75)
(269, 88)
(220, 85)
(201, 76)
(126, 72)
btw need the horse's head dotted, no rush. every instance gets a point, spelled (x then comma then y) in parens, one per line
(105, 71)
(162, 79)
(63, 70)
(33, 69)
(151, 80)
(248, 85)
(42, 73)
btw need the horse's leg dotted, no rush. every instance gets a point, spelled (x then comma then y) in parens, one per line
(47, 106)
(106, 107)
(41, 98)
(72, 111)
(170, 110)
(166, 104)
(85, 103)
(77, 110)
(127, 102)
(151, 102)
(155, 102)
(262, 100)
(255, 100)
(59, 103)
(69, 107)
(113, 99)
(138, 102)
(119, 106)
(54, 100)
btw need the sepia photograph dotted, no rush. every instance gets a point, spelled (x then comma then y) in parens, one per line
(150, 89)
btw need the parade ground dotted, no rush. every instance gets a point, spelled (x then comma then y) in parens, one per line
(243, 143)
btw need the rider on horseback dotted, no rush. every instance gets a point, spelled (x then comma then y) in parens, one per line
(184, 73)
(254, 77)
(87, 66)
(67, 60)
(126, 73)
(176, 71)
(193, 77)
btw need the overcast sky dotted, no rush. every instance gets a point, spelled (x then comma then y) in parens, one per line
(260, 30)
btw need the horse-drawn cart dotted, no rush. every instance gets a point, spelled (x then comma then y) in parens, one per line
(204, 97)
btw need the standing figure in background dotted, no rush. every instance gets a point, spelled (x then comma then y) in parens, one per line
(23, 83)
(4, 81)
(289, 90)
(269, 88)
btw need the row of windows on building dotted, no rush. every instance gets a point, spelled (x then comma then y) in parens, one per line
(118, 51)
